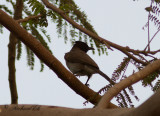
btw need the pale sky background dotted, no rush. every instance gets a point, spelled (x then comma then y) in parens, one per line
(118, 21)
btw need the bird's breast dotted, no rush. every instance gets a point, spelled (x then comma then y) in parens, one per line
(80, 69)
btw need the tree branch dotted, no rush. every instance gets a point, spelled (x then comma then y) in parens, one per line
(51, 61)
(148, 108)
(11, 55)
(149, 69)
(89, 33)
(28, 18)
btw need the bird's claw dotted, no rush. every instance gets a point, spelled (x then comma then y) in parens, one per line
(87, 85)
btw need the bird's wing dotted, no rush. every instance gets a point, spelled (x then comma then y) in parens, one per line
(80, 57)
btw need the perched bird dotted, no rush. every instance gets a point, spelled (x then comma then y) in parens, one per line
(81, 64)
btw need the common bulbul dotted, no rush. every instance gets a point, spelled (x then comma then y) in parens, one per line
(81, 64)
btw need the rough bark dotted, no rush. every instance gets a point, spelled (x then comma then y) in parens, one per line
(12, 55)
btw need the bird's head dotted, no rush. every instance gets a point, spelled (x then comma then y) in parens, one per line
(83, 46)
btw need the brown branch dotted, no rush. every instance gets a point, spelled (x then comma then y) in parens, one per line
(149, 69)
(148, 108)
(89, 33)
(42, 110)
(11, 55)
(141, 51)
(28, 18)
(154, 52)
(51, 61)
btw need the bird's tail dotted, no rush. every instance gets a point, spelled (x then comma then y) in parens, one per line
(106, 77)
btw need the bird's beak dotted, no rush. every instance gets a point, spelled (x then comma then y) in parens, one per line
(90, 48)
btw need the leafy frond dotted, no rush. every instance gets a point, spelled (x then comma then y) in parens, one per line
(37, 8)
(75, 13)
(30, 58)
(26, 10)
(154, 14)
(156, 87)
(121, 101)
(65, 32)
(127, 98)
(42, 66)
(137, 65)
(73, 33)
(19, 49)
(6, 9)
(59, 26)
(149, 79)
(156, 10)
(45, 33)
(155, 20)
(39, 37)
(104, 89)
(1, 28)
(122, 67)
(37, 26)
(119, 98)
(53, 15)
(131, 90)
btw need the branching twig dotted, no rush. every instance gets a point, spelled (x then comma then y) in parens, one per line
(28, 18)
(148, 33)
(141, 51)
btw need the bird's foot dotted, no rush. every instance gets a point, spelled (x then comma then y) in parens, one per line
(77, 75)
(87, 85)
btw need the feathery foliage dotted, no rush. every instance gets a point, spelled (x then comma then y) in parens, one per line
(37, 26)
(121, 68)
(156, 86)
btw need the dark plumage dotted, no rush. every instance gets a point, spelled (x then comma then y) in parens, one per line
(80, 63)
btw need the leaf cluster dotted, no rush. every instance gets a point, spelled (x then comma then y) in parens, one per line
(154, 11)
(75, 13)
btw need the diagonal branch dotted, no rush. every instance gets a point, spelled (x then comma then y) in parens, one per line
(151, 39)
(149, 69)
(89, 33)
(51, 61)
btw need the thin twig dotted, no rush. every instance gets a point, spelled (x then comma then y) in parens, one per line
(148, 33)
(152, 38)
(149, 28)
(28, 18)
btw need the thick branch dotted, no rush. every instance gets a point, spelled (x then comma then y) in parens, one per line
(12, 53)
(149, 108)
(38, 110)
(149, 69)
(52, 62)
